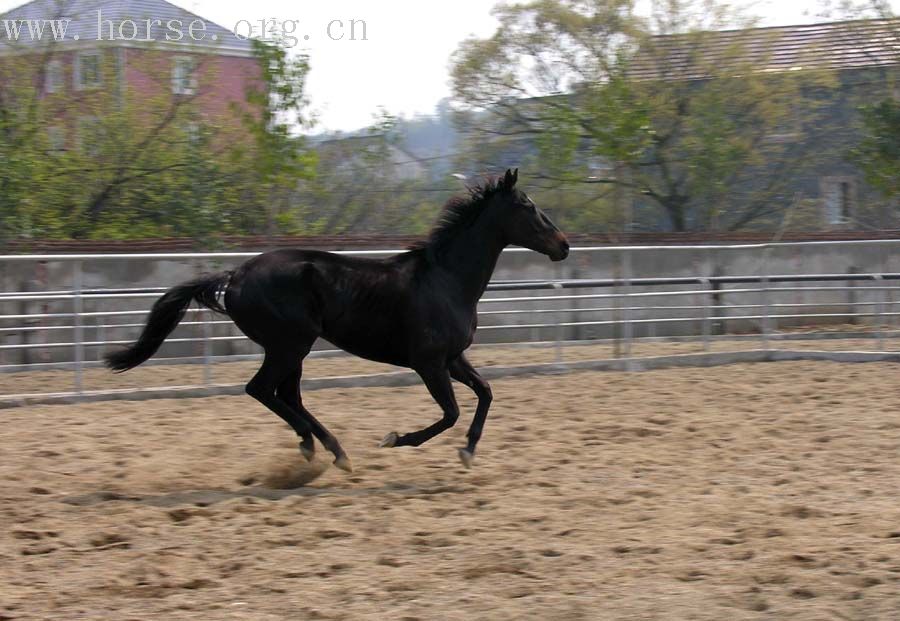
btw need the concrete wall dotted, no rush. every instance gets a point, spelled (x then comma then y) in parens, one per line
(596, 264)
(869, 257)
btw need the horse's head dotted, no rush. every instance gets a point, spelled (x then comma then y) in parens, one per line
(525, 225)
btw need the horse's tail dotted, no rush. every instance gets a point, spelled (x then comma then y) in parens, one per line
(165, 315)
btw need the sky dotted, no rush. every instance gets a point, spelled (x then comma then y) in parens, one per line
(403, 67)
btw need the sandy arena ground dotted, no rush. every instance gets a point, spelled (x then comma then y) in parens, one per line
(99, 378)
(763, 491)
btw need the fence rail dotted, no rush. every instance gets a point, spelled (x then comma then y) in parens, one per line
(625, 307)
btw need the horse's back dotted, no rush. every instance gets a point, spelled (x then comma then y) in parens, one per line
(354, 302)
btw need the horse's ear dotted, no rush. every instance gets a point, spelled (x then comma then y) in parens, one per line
(509, 179)
(515, 176)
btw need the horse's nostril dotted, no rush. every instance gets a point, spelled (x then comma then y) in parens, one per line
(562, 245)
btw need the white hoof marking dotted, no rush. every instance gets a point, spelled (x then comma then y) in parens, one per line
(389, 440)
(466, 457)
(344, 464)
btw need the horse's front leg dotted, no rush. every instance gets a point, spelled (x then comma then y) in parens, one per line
(462, 371)
(437, 379)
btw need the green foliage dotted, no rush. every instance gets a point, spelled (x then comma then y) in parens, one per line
(368, 184)
(278, 157)
(142, 165)
(703, 140)
(879, 151)
(21, 160)
(276, 112)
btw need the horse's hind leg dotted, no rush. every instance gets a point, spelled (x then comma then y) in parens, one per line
(275, 370)
(291, 390)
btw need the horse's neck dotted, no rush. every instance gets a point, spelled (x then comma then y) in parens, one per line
(471, 259)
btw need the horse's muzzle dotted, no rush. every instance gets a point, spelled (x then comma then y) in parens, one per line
(562, 250)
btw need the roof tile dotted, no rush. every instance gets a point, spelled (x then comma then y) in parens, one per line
(84, 24)
(834, 45)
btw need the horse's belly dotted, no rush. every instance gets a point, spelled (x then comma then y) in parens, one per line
(389, 349)
(387, 357)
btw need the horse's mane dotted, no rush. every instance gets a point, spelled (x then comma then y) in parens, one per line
(459, 213)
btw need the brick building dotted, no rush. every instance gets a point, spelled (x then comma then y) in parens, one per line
(89, 58)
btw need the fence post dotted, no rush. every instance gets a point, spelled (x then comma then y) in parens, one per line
(880, 293)
(765, 290)
(25, 335)
(887, 320)
(101, 337)
(617, 309)
(627, 335)
(557, 286)
(707, 313)
(719, 324)
(888, 307)
(853, 297)
(207, 347)
(78, 310)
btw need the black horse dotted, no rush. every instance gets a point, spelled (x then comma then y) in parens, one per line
(416, 309)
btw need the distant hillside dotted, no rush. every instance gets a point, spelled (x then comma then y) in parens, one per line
(432, 139)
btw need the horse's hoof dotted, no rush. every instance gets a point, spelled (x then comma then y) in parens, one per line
(308, 453)
(343, 463)
(389, 440)
(466, 457)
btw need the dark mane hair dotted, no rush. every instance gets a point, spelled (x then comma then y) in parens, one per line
(459, 213)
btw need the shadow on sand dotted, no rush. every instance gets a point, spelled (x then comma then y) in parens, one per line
(205, 498)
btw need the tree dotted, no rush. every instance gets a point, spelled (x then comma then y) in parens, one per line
(22, 142)
(878, 153)
(369, 183)
(280, 156)
(668, 107)
(122, 164)
(148, 162)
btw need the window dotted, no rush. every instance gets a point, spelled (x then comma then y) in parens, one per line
(90, 138)
(790, 130)
(193, 132)
(786, 137)
(53, 80)
(56, 139)
(184, 82)
(88, 73)
(844, 192)
(839, 199)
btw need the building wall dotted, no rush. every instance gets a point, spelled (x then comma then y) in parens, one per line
(140, 77)
(222, 81)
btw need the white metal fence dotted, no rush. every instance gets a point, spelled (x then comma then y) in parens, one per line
(722, 292)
